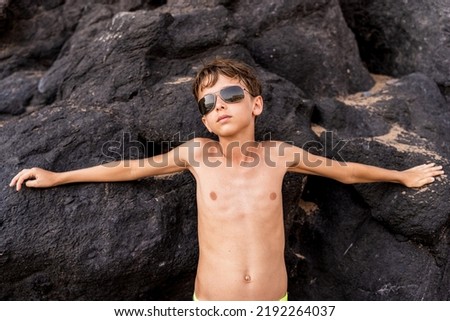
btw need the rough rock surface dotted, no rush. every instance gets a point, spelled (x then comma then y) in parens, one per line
(401, 37)
(83, 84)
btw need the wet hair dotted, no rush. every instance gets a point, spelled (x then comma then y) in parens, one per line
(209, 74)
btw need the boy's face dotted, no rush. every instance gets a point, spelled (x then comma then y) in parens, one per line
(227, 119)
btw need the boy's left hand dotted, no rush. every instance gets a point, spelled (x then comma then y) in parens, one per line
(421, 175)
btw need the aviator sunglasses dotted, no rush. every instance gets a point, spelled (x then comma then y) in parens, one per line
(230, 94)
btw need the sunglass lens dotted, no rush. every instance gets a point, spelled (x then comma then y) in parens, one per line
(232, 94)
(206, 104)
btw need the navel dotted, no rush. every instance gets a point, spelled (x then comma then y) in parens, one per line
(273, 196)
(247, 278)
(213, 196)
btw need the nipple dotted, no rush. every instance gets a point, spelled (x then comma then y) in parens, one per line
(273, 196)
(247, 278)
(213, 196)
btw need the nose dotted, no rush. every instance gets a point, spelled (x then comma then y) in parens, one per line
(220, 104)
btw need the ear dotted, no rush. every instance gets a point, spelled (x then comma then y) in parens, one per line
(258, 105)
(205, 122)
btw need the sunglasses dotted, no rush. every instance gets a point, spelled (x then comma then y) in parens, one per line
(231, 94)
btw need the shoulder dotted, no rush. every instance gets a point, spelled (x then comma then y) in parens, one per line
(279, 147)
(283, 151)
(195, 147)
(198, 142)
(203, 141)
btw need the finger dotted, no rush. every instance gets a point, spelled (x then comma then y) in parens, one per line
(19, 182)
(433, 168)
(429, 165)
(437, 169)
(418, 167)
(424, 181)
(437, 173)
(428, 180)
(15, 178)
(27, 175)
(423, 166)
(31, 183)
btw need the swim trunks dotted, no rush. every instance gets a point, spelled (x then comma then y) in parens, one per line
(285, 298)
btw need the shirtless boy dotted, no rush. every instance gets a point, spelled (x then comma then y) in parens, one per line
(240, 220)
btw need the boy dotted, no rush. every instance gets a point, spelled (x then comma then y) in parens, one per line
(240, 220)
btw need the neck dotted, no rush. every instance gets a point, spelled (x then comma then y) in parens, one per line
(237, 148)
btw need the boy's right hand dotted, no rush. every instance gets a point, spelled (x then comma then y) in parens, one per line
(34, 177)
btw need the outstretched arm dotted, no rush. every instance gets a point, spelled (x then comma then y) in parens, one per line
(412, 177)
(124, 170)
(351, 173)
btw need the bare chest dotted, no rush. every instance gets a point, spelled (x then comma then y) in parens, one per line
(239, 190)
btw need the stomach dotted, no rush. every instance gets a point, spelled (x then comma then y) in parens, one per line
(223, 281)
(241, 262)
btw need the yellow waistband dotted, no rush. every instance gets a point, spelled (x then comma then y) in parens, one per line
(285, 298)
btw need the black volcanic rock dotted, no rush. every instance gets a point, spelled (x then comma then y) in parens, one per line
(295, 39)
(401, 37)
(17, 91)
(84, 84)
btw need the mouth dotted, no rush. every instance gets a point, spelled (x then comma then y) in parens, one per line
(223, 117)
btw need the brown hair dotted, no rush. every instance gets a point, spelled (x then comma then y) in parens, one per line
(209, 74)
